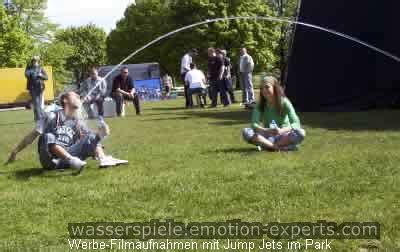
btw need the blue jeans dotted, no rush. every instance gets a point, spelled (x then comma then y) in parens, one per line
(83, 149)
(201, 92)
(246, 82)
(296, 137)
(99, 103)
(37, 101)
(230, 90)
(218, 86)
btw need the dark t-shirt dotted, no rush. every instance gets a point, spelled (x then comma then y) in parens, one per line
(67, 131)
(126, 85)
(214, 67)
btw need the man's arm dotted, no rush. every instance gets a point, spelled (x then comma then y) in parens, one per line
(43, 75)
(221, 70)
(124, 93)
(28, 140)
(203, 80)
(251, 63)
(186, 63)
(103, 87)
(228, 68)
(204, 83)
(132, 86)
(115, 86)
(28, 73)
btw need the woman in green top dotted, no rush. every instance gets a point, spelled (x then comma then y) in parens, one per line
(274, 124)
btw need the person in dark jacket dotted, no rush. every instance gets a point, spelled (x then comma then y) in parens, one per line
(216, 69)
(124, 88)
(228, 77)
(36, 76)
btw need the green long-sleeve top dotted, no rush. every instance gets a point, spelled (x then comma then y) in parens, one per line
(288, 117)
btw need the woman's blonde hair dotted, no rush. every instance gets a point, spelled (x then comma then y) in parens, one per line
(278, 93)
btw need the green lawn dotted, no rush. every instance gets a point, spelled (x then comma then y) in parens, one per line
(194, 166)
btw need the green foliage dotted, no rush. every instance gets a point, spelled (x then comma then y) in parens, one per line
(31, 16)
(15, 44)
(55, 54)
(283, 8)
(286, 9)
(88, 45)
(150, 19)
(142, 23)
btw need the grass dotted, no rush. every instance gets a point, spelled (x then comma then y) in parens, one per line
(193, 166)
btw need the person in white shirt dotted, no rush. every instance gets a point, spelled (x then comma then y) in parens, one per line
(196, 81)
(246, 67)
(187, 59)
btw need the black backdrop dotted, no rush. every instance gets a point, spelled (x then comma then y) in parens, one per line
(329, 73)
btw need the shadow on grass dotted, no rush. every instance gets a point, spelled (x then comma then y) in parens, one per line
(29, 173)
(168, 119)
(225, 117)
(374, 120)
(24, 175)
(168, 108)
(239, 150)
(225, 123)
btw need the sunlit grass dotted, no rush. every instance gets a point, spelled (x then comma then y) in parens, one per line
(193, 166)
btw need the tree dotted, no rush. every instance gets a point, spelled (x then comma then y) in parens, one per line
(286, 9)
(142, 23)
(150, 19)
(15, 45)
(55, 54)
(31, 16)
(258, 37)
(88, 45)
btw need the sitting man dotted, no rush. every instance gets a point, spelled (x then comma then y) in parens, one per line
(93, 91)
(65, 141)
(124, 88)
(196, 81)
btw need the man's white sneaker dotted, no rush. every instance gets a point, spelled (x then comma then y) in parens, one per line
(107, 162)
(76, 163)
(118, 161)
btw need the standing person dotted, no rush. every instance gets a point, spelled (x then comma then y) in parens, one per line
(65, 141)
(228, 76)
(274, 124)
(216, 71)
(124, 88)
(246, 67)
(36, 76)
(93, 90)
(187, 59)
(196, 81)
(168, 85)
